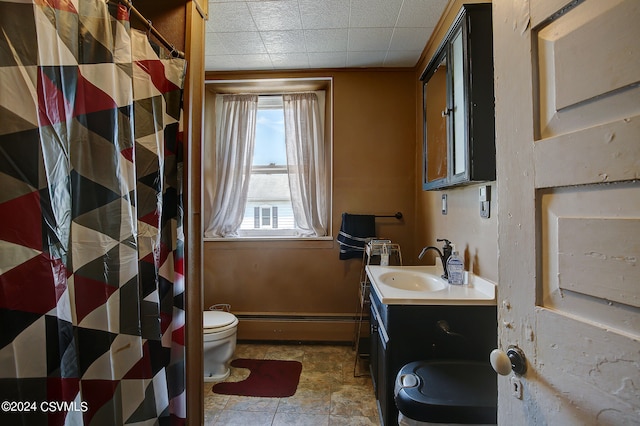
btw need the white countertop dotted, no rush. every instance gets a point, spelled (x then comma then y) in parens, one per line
(478, 291)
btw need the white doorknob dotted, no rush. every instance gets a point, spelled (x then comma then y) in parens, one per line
(500, 362)
(513, 359)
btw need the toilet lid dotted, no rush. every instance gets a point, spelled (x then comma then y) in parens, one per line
(217, 319)
(447, 391)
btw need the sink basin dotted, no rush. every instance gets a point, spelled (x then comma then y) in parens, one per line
(422, 285)
(406, 280)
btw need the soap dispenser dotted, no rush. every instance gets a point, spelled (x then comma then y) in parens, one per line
(455, 267)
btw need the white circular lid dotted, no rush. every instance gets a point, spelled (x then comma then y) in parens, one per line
(215, 319)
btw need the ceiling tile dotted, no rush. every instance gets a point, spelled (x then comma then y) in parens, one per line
(276, 15)
(402, 58)
(213, 45)
(230, 17)
(326, 40)
(242, 43)
(409, 39)
(374, 13)
(364, 39)
(253, 62)
(366, 59)
(418, 13)
(327, 59)
(292, 60)
(284, 41)
(324, 14)
(220, 62)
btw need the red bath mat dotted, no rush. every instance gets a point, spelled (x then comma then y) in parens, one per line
(268, 378)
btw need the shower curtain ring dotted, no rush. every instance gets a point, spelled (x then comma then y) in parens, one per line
(149, 26)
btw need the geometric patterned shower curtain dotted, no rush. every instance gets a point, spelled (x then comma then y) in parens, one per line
(91, 245)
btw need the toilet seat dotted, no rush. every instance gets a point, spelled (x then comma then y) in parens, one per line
(218, 321)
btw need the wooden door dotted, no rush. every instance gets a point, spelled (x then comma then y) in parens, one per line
(567, 77)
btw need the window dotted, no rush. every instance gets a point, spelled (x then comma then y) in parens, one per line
(269, 198)
(270, 169)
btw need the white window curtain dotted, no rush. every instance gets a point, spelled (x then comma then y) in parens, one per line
(306, 163)
(234, 155)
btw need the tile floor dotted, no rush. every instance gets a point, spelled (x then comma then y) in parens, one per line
(327, 394)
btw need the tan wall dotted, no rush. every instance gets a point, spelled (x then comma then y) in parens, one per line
(374, 154)
(168, 16)
(475, 237)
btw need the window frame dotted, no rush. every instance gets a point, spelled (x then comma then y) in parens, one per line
(264, 87)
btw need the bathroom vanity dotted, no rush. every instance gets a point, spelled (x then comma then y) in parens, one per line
(416, 315)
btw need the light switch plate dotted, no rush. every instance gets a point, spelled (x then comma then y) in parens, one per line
(485, 201)
(485, 193)
(485, 209)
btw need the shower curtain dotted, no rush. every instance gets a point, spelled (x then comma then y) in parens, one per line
(91, 244)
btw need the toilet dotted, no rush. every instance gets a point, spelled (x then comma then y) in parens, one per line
(220, 330)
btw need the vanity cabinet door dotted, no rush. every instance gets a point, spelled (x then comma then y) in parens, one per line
(386, 402)
(373, 351)
(458, 102)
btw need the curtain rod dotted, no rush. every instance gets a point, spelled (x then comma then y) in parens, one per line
(147, 22)
(266, 94)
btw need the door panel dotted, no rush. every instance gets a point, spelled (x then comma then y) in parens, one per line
(607, 153)
(584, 378)
(576, 66)
(568, 148)
(611, 258)
(590, 246)
(588, 97)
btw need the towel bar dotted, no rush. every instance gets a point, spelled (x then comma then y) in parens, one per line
(398, 215)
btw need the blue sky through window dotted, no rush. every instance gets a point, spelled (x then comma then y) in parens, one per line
(269, 147)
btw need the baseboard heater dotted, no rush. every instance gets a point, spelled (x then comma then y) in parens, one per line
(297, 317)
(301, 327)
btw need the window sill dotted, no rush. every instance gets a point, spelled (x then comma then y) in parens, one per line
(270, 237)
(274, 242)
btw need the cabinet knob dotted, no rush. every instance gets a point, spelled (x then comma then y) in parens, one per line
(503, 363)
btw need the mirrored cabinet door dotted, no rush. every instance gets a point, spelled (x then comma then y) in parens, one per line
(459, 137)
(458, 107)
(435, 112)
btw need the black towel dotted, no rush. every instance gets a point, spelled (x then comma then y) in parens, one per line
(355, 231)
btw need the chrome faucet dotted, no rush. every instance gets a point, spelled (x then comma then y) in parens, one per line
(444, 254)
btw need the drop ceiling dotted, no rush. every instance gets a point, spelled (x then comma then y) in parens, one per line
(303, 34)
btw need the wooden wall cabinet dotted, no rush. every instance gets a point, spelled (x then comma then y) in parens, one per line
(458, 104)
